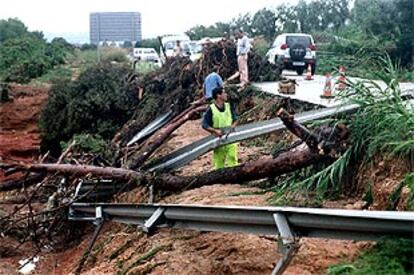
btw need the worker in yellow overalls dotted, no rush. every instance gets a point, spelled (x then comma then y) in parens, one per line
(217, 120)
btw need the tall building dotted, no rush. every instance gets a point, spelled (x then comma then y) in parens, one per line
(115, 26)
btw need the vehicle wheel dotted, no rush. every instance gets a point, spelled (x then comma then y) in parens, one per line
(313, 69)
(300, 71)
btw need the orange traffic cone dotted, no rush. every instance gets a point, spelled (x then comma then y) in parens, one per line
(327, 90)
(309, 73)
(341, 79)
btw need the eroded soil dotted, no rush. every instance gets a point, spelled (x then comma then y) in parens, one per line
(19, 133)
(121, 248)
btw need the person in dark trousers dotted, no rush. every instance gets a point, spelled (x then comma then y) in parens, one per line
(217, 120)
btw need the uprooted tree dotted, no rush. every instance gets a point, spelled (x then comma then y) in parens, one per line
(43, 225)
(49, 188)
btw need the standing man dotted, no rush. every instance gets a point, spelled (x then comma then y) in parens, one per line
(218, 118)
(243, 48)
(212, 81)
(178, 50)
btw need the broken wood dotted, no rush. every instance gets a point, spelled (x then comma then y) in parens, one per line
(297, 129)
(263, 168)
(24, 181)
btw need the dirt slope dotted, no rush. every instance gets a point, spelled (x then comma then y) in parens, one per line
(124, 249)
(19, 135)
(121, 248)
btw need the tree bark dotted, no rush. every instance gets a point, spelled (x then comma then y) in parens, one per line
(319, 147)
(19, 183)
(297, 129)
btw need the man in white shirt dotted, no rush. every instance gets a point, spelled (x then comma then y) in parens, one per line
(243, 48)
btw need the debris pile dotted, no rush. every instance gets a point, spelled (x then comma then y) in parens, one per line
(48, 188)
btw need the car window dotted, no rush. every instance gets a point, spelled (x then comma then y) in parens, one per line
(186, 48)
(169, 46)
(302, 40)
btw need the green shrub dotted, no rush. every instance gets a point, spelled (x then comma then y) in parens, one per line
(113, 54)
(382, 127)
(26, 55)
(260, 46)
(55, 75)
(391, 256)
(86, 143)
(98, 102)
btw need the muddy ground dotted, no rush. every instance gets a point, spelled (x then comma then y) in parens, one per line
(121, 248)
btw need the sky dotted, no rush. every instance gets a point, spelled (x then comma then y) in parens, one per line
(70, 18)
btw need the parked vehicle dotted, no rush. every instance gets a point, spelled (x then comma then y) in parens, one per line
(293, 51)
(196, 50)
(147, 55)
(169, 42)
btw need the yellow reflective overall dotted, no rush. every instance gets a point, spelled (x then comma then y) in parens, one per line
(226, 155)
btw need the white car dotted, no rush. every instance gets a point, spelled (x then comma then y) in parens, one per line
(293, 51)
(147, 55)
(169, 43)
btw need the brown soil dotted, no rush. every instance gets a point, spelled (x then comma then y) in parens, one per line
(19, 135)
(120, 247)
(191, 252)
(383, 176)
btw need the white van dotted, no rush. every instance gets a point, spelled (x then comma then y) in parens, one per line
(147, 55)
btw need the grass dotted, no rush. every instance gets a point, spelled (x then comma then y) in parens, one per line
(145, 67)
(384, 127)
(144, 258)
(389, 256)
(357, 52)
(54, 75)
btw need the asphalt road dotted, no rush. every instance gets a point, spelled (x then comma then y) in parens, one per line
(311, 90)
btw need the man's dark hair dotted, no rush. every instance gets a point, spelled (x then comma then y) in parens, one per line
(217, 91)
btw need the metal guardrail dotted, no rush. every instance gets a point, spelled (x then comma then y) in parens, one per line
(151, 128)
(188, 153)
(305, 222)
(287, 222)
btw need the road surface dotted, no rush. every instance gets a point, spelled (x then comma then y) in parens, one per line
(311, 90)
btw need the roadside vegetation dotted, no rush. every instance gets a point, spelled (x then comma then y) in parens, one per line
(97, 103)
(91, 99)
(26, 55)
(380, 128)
(345, 35)
(388, 256)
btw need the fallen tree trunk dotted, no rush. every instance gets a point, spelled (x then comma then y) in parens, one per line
(21, 182)
(264, 167)
(326, 144)
(158, 139)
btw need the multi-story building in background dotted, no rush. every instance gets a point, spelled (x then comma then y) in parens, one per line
(115, 27)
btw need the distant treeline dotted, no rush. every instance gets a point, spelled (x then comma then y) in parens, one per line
(384, 26)
(26, 55)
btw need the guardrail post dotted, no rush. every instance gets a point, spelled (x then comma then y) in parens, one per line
(288, 245)
(151, 194)
(99, 221)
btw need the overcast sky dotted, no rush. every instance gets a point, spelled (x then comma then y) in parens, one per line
(63, 17)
